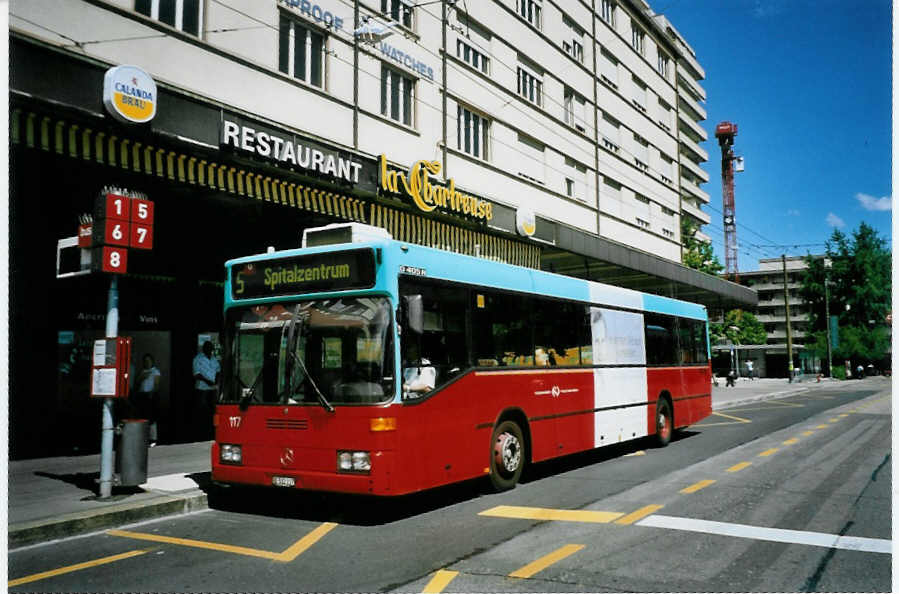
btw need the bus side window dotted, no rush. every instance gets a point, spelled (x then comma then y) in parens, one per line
(661, 343)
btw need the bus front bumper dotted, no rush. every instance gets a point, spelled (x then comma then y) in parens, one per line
(376, 482)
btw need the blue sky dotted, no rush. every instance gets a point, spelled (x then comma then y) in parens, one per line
(809, 85)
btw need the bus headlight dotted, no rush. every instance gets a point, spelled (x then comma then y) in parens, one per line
(353, 462)
(230, 454)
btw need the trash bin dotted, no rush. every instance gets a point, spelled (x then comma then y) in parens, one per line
(131, 453)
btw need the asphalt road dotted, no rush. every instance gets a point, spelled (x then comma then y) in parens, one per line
(790, 494)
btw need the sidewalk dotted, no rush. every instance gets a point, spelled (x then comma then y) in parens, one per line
(52, 498)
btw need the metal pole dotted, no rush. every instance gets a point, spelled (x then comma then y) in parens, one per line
(783, 258)
(827, 316)
(108, 427)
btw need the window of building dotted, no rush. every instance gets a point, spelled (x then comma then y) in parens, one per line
(574, 44)
(638, 39)
(397, 96)
(664, 65)
(666, 168)
(531, 11)
(185, 15)
(638, 93)
(473, 132)
(575, 110)
(611, 187)
(641, 198)
(300, 52)
(667, 211)
(610, 131)
(641, 152)
(471, 56)
(668, 233)
(575, 179)
(400, 11)
(608, 68)
(532, 161)
(530, 85)
(665, 115)
(608, 12)
(642, 222)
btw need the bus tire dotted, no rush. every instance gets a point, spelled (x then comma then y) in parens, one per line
(664, 422)
(507, 455)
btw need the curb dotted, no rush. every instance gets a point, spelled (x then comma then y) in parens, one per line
(28, 533)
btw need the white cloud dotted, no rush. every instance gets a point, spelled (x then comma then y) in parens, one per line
(869, 202)
(835, 221)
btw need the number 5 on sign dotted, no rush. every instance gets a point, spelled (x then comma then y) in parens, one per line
(141, 236)
(142, 212)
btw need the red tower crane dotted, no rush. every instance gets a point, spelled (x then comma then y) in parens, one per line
(725, 132)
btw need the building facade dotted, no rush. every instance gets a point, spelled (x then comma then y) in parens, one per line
(770, 359)
(563, 136)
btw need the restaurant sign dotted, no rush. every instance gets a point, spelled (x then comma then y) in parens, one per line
(428, 197)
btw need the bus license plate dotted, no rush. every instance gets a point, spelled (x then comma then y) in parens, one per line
(283, 481)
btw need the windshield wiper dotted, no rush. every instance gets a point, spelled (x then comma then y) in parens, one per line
(292, 336)
(248, 396)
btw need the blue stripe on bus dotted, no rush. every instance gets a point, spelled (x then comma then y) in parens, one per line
(674, 307)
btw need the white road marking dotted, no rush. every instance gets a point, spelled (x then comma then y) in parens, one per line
(818, 539)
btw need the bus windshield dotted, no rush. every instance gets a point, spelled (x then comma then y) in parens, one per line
(320, 352)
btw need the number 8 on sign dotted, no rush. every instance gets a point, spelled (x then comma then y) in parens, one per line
(115, 260)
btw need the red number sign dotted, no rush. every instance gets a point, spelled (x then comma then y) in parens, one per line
(141, 236)
(118, 207)
(142, 212)
(116, 232)
(114, 260)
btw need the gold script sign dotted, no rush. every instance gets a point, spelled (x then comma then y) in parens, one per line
(427, 197)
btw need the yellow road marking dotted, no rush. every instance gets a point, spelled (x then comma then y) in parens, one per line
(697, 486)
(561, 515)
(300, 546)
(740, 419)
(844, 415)
(768, 403)
(289, 554)
(832, 420)
(545, 561)
(739, 467)
(637, 453)
(440, 581)
(767, 453)
(807, 433)
(186, 542)
(791, 441)
(77, 567)
(639, 514)
(821, 427)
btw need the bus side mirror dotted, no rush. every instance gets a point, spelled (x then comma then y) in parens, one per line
(413, 313)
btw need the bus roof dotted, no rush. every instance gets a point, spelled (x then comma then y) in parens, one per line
(434, 263)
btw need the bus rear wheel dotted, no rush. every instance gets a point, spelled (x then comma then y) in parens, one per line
(664, 422)
(506, 455)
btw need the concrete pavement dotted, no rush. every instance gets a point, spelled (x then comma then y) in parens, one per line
(53, 498)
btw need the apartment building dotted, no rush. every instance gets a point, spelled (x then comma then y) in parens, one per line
(566, 134)
(770, 359)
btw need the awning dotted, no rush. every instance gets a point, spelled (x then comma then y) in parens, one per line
(79, 141)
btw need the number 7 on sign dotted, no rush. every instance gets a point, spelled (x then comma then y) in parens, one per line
(141, 236)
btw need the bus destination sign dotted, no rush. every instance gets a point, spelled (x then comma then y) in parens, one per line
(312, 273)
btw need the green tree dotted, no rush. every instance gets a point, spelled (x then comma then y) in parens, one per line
(698, 254)
(857, 270)
(739, 327)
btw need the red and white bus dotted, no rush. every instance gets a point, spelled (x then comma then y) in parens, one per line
(517, 365)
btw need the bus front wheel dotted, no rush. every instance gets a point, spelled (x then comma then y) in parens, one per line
(506, 455)
(664, 422)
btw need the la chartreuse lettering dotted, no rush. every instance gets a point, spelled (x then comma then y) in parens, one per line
(427, 197)
(294, 275)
